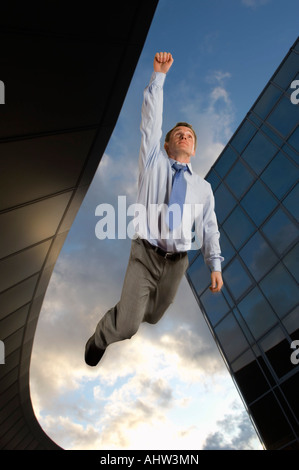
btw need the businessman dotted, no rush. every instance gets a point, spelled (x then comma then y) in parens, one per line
(183, 207)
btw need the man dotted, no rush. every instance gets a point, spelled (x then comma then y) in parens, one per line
(158, 258)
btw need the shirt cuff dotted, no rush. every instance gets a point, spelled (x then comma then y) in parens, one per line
(158, 78)
(215, 264)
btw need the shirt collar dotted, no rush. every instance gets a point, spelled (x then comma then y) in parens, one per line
(189, 166)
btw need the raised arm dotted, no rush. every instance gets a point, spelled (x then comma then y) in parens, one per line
(152, 111)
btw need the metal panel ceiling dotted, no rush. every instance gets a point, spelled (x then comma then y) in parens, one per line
(65, 72)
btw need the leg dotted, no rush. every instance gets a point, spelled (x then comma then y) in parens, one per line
(167, 288)
(123, 320)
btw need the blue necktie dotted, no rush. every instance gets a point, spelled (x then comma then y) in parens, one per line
(178, 194)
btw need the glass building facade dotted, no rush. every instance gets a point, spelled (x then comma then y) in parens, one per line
(255, 319)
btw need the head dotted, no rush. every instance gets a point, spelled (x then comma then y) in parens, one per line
(180, 142)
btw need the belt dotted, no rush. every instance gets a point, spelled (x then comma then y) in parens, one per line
(165, 254)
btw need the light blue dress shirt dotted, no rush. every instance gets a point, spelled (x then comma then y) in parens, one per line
(154, 186)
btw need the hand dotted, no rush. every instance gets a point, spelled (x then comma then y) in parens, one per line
(216, 281)
(162, 62)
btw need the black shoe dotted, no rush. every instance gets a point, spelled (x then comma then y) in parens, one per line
(93, 354)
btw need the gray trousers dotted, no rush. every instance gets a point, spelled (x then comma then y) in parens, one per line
(150, 285)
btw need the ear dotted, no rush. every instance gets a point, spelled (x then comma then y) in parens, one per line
(166, 147)
(193, 151)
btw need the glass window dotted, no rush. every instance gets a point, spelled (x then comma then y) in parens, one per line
(290, 90)
(284, 117)
(263, 365)
(237, 280)
(290, 152)
(224, 202)
(254, 119)
(267, 101)
(213, 179)
(243, 136)
(227, 297)
(239, 179)
(291, 202)
(291, 262)
(244, 327)
(227, 249)
(259, 152)
(294, 140)
(249, 377)
(271, 422)
(257, 313)
(280, 175)
(231, 337)
(273, 135)
(290, 390)
(288, 70)
(286, 408)
(291, 323)
(280, 289)
(238, 227)
(280, 230)
(227, 158)
(277, 350)
(191, 254)
(215, 306)
(258, 203)
(199, 275)
(258, 256)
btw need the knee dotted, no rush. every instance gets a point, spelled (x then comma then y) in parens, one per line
(151, 320)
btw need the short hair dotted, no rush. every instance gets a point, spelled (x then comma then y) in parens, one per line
(184, 124)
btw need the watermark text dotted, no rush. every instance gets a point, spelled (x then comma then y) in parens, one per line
(2, 352)
(154, 221)
(295, 94)
(2, 92)
(295, 354)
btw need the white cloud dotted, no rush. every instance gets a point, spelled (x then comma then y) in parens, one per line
(141, 385)
(234, 432)
(149, 402)
(212, 116)
(217, 76)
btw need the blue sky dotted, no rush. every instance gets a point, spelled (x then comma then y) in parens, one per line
(167, 387)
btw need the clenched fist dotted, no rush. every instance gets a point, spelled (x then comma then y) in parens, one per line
(162, 62)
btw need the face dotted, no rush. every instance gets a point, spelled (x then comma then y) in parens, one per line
(181, 143)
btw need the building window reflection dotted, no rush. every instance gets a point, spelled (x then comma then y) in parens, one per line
(267, 101)
(243, 136)
(284, 117)
(237, 279)
(224, 202)
(239, 179)
(259, 152)
(280, 231)
(258, 203)
(238, 227)
(225, 163)
(280, 289)
(280, 175)
(258, 256)
(231, 337)
(256, 316)
(291, 202)
(277, 351)
(257, 313)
